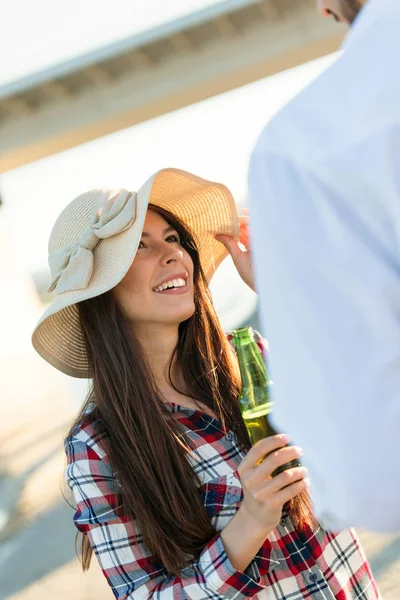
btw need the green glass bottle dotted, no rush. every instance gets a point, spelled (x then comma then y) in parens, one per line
(255, 398)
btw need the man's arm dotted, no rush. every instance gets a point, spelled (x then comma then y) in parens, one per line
(326, 251)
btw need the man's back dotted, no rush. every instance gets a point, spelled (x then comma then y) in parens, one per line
(325, 191)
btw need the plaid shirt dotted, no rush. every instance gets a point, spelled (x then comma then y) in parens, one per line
(289, 565)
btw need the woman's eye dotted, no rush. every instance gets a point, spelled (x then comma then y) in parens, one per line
(174, 238)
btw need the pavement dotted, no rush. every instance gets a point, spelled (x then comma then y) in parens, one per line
(37, 537)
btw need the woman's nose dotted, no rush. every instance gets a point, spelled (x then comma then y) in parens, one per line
(172, 255)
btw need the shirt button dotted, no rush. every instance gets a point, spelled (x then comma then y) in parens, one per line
(229, 436)
(282, 522)
(313, 577)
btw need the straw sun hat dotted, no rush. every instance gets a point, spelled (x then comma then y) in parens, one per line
(95, 239)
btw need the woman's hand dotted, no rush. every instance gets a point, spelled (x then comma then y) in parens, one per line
(264, 496)
(240, 250)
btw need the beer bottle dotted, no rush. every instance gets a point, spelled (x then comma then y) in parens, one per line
(255, 398)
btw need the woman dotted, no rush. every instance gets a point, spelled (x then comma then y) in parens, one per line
(169, 494)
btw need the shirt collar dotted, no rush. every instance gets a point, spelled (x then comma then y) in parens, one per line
(368, 17)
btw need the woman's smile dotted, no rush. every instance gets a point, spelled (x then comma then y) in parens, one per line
(175, 291)
(174, 284)
(162, 267)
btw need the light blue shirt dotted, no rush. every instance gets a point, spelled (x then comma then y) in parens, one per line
(325, 217)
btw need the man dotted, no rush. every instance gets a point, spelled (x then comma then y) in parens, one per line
(341, 10)
(325, 204)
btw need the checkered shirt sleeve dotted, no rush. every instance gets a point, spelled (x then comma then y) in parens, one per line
(127, 564)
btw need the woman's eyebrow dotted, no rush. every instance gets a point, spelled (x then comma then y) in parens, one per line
(167, 230)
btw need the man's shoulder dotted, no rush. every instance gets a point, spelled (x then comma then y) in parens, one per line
(305, 128)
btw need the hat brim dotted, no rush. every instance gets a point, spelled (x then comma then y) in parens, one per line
(207, 208)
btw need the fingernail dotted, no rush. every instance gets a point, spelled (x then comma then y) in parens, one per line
(285, 437)
(299, 450)
(307, 482)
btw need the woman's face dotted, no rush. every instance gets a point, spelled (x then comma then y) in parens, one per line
(160, 260)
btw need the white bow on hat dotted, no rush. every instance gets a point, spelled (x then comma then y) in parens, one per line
(72, 265)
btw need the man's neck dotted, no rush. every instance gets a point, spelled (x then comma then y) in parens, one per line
(366, 19)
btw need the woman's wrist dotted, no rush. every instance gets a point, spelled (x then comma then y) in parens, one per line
(252, 525)
(242, 537)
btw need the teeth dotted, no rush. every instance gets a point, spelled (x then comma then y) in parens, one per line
(174, 283)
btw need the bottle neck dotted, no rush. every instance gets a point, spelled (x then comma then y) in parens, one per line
(252, 368)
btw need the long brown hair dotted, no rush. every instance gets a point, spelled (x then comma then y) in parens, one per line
(148, 448)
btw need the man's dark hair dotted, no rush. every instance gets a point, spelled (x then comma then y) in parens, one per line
(350, 9)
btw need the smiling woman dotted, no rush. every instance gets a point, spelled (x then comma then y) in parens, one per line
(158, 287)
(170, 495)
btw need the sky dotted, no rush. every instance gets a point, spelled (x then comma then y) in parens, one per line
(51, 32)
(212, 139)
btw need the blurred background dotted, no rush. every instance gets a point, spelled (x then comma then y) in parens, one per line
(97, 94)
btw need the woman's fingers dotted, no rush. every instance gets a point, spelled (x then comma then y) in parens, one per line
(244, 237)
(291, 491)
(280, 482)
(244, 223)
(275, 459)
(260, 450)
(230, 244)
(264, 495)
(244, 232)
